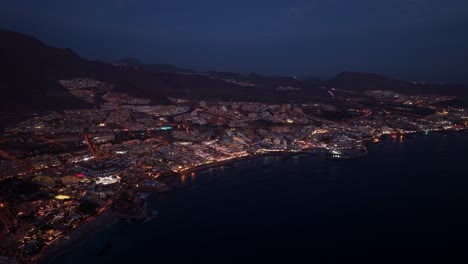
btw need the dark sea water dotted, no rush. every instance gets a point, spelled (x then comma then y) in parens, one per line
(406, 202)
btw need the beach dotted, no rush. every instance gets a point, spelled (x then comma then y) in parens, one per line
(76, 237)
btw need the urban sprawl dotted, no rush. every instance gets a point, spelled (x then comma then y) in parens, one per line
(60, 170)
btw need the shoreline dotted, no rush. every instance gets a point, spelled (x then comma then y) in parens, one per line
(281, 153)
(87, 230)
(76, 238)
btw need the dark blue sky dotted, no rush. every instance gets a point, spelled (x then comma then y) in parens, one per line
(409, 39)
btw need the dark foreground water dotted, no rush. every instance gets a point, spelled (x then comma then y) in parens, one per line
(406, 202)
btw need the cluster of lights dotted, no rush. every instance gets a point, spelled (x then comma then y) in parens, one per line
(62, 197)
(107, 180)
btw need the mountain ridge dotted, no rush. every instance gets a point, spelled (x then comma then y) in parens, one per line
(359, 81)
(32, 69)
(169, 68)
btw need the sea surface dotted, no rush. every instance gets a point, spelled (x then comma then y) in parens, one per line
(406, 202)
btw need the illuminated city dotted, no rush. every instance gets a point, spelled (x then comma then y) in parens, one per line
(289, 131)
(61, 170)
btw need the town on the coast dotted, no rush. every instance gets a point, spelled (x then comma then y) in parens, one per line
(60, 170)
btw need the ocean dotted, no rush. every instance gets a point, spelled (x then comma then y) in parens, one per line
(405, 202)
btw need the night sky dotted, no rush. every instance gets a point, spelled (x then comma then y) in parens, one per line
(423, 40)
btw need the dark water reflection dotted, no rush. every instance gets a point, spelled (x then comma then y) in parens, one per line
(406, 202)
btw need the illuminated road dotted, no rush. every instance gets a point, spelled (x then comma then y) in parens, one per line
(15, 159)
(91, 145)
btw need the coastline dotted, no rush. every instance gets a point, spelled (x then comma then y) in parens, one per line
(281, 153)
(309, 176)
(76, 238)
(86, 231)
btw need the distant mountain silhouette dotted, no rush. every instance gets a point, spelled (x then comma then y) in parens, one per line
(23, 81)
(31, 70)
(366, 81)
(254, 78)
(358, 81)
(312, 80)
(258, 79)
(131, 62)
